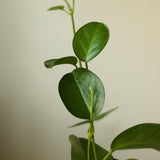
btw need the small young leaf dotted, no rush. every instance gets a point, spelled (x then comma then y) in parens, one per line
(79, 124)
(104, 114)
(76, 96)
(56, 8)
(96, 118)
(79, 149)
(145, 135)
(65, 60)
(90, 40)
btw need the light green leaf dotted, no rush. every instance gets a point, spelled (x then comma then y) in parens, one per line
(79, 149)
(90, 40)
(56, 8)
(76, 96)
(96, 118)
(145, 135)
(65, 60)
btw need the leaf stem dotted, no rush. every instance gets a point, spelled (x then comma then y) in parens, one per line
(68, 5)
(86, 65)
(66, 11)
(94, 148)
(106, 157)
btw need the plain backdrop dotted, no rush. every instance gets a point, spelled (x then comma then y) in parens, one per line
(33, 121)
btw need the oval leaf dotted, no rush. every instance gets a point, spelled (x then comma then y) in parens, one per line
(56, 8)
(79, 149)
(65, 60)
(89, 40)
(145, 135)
(76, 96)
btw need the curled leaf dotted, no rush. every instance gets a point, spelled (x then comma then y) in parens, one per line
(65, 60)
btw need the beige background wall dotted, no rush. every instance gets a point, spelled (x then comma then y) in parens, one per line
(33, 120)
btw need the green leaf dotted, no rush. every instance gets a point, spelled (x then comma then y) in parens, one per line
(79, 124)
(77, 152)
(65, 60)
(76, 96)
(90, 40)
(104, 114)
(79, 149)
(145, 135)
(96, 118)
(56, 8)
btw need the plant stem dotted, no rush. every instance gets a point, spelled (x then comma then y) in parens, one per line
(89, 144)
(94, 148)
(91, 129)
(86, 65)
(73, 26)
(105, 158)
(92, 97)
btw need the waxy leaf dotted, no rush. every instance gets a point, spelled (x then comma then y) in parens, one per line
(56, 8)
(79, 149)
(145, 135)
(65, 60)
(90, 40)
(74, 90)
(96, 118)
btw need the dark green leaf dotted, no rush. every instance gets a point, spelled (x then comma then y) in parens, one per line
(90, 40)
(76, 96)
(96, 118)
(145, 135)
(79, 149)
(56, 8)
(65, 60)
(104, 114)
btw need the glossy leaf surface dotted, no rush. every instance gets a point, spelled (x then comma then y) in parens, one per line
(65, 60)
(76, 96)
(145, 135)
(79, 149)
(90, 40)
(56, 8)
(99, 117)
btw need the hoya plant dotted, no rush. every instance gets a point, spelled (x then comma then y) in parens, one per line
(83, 95)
